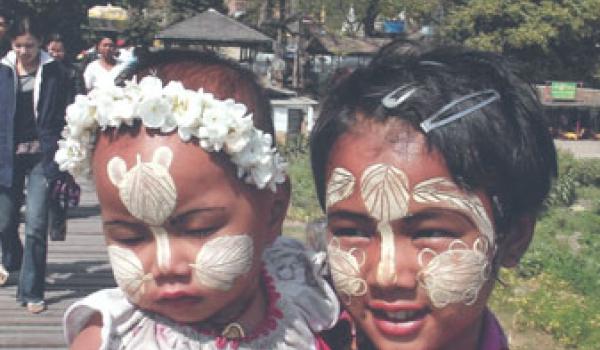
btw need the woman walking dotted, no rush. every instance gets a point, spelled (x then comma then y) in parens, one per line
(33, 100)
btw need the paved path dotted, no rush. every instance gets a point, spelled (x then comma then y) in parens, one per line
(76, 267)
(580, 149)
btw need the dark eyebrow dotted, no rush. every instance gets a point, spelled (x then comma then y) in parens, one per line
(131, 224)
(201, 211)
(436, 213)
(349, 215)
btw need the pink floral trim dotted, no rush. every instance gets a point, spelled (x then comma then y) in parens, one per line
(268, 325)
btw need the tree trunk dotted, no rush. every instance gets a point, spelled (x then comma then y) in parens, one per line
(370, 16)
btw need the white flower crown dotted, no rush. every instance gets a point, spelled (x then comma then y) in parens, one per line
(219, 125)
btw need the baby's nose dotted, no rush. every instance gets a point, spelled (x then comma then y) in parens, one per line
(169, 259)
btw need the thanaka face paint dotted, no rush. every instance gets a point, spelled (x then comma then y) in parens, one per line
(384, 191)
(453, 276)
(148, 192)
(222, 260)
(458, 274)
(345, 270)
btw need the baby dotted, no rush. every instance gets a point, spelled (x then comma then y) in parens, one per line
(193, 196)
(431, 167)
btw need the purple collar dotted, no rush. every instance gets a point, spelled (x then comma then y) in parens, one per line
(492, 337)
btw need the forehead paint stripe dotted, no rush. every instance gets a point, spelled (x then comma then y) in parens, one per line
(441, 190)
(384, 190)
(345, 270)
(221, 260)
(128, 271)
(340, 186)
(163, 249)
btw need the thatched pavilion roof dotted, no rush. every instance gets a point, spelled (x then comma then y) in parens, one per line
(213, 28)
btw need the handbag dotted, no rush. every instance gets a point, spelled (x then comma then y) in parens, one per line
(65, 193)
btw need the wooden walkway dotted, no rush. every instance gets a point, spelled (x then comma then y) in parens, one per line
(76, 267)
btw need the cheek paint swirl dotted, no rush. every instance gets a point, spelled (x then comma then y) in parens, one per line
(221, 260)
(128, 271)
(345, 270)
(458, 274)
(455, 275)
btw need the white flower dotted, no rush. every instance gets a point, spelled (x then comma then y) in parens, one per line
(215, 126)
(150, 86)
(218, 125)
(72, 156)
(153, 111)
(80, 115)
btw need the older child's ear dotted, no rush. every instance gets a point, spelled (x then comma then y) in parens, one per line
(518, 240)
(279, 209)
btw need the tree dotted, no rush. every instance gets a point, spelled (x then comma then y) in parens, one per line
(555, 39)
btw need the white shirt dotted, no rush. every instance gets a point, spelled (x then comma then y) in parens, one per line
(95, 75)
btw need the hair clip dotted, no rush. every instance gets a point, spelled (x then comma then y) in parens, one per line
(398, 95)
(432, 63)
(431, 122)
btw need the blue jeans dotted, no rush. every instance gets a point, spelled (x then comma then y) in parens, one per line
(31, 259)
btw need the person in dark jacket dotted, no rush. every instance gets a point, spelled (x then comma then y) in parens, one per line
(58, 207)
(33, 100)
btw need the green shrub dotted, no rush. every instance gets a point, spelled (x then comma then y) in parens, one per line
(304, 205)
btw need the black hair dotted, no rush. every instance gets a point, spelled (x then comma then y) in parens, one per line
(504, 148)
(55, 37)
(211, 72)
(26, 24)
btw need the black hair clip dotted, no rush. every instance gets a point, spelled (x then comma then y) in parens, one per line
(431, 123)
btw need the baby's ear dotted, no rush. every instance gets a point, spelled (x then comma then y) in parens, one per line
(279, 209)
(517, 240)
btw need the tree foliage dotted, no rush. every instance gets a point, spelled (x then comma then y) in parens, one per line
(556, 39)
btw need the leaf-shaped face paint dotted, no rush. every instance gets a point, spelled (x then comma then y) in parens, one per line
(384, 191)
(456, 275)
(345, 270)
(442, 190)
(340, 186)
(147, 190)
(222, 260)
(128, 271)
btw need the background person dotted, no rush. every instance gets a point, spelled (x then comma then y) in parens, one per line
(4, 42)
(58, 205)
(106, 68)
(34, 98)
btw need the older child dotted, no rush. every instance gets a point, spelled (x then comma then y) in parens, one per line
(192, 196)
(431, 167)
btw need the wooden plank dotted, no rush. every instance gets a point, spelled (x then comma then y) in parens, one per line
(76, 267)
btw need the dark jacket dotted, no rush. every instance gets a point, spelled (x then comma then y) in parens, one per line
(50, 96)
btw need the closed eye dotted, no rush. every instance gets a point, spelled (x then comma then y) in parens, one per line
(435, 233)
(205, 231)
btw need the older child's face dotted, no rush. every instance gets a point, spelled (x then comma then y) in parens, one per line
(184, 235)
(410, 252)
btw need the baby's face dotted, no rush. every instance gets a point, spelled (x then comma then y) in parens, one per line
(410, 252)
(184, 235)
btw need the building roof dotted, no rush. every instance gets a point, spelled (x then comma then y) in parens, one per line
(323, 42)
(213, 28)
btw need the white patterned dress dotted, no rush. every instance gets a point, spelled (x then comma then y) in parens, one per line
(301, 304)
